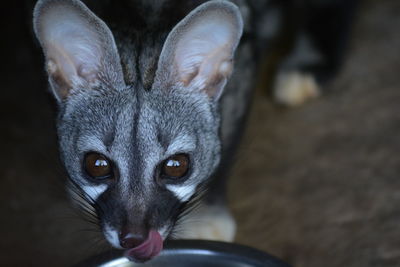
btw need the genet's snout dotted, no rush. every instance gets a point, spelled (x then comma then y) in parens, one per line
(127, 239)
(140, 246)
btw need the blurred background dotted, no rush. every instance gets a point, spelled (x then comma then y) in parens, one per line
(316, 185)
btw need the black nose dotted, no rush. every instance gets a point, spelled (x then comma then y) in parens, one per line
(129, 239)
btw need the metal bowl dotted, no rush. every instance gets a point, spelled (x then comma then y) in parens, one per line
(193, 253)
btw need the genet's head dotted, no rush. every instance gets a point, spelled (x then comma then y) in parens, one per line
(137, 156)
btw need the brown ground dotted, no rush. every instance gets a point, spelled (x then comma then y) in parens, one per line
(316, 185)
(319, 185)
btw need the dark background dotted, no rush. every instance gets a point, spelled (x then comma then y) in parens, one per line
(316, 185)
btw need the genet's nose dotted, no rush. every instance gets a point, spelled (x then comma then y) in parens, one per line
(127, 239)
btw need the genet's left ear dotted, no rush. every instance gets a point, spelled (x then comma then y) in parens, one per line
(198, 53)
(79, 48)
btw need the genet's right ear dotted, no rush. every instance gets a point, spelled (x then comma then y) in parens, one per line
(198, 53)
(79, 48)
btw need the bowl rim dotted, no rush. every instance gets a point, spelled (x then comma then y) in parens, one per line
(192, 246)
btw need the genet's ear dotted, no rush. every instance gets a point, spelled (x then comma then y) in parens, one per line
(198, 53)
(79, 48)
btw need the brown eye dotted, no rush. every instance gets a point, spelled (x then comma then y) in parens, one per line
(97, 166)
(175, 167)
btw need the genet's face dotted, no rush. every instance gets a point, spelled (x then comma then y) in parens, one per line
(140, 163)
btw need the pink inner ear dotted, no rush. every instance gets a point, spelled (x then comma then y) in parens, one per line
(211, 72)
(60, 64)
(76, 58)
(195, 52)
(202, 47)
(70, 40)
(200, 50)
(87, 73)
(78, 46)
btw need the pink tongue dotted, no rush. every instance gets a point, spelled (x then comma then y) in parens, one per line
(148, 249)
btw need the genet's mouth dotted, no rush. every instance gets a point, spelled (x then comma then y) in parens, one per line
(150, 248)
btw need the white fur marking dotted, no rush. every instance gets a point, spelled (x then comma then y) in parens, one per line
(182, 192)
(94, 191)
(112, 236)
(163, 232)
